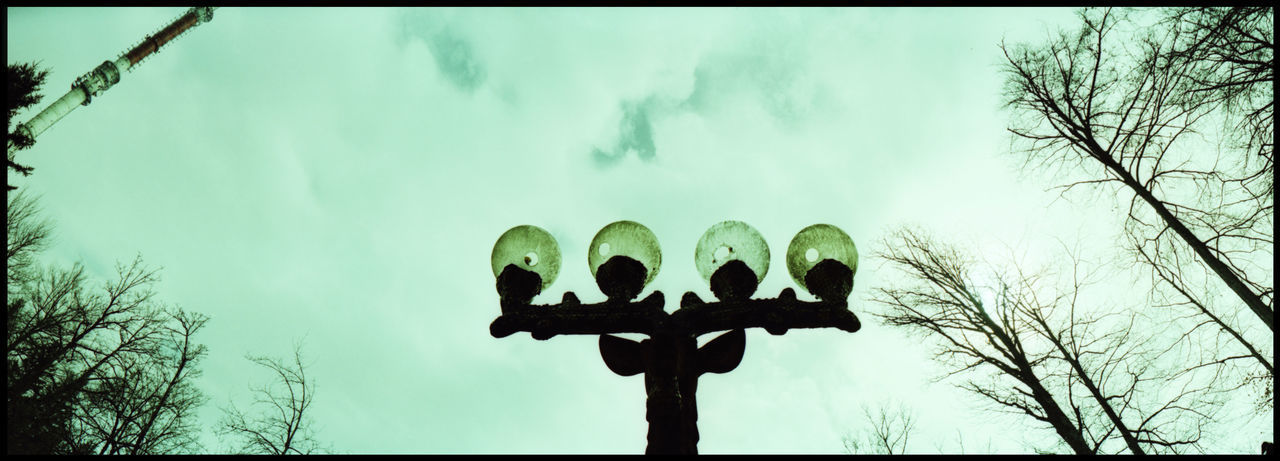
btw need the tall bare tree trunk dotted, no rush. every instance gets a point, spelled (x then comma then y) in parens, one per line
(1251, 299)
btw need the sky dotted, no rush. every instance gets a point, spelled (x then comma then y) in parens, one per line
(339, 176)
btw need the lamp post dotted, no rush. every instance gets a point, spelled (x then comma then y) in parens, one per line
(624, 257)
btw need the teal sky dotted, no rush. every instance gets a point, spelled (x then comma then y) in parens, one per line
(341, 175)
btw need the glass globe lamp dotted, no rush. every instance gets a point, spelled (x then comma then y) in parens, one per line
(733, 258)
(526, 260)
(822, 259)
(624, 257)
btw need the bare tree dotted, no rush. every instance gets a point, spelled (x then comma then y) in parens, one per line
(960, 448)
(145, 404)
(1215, 335)
(1230, 54)
(890, 427)
(1117, 366)
(1177, 111)
(26, 235)
(283, 425)
(1027, 346)
(78, 358)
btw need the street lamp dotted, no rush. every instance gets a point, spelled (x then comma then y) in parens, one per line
(624, 257)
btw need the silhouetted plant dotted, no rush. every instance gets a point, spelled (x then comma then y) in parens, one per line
(22, 91)
(889, 430)
(1096, 378)
(281, 424)
(1176, 107)
(93, 371)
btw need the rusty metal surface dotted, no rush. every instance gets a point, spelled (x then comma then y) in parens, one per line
(153, 42)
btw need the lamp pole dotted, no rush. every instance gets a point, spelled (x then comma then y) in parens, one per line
(624, 257)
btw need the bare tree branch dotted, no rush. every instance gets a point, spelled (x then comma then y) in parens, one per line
(1086, 373)
(890, 427)
(284, 427)
(104, 371)
(1148, 90)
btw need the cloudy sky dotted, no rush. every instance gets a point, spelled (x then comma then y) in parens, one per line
(341, 175)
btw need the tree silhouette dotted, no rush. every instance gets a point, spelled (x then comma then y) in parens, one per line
(890, 427)
(1176, 107)
(1178, 111)
(93, 371)
(147, 406)
(22, 91)
(282, 425)
(1029, 347)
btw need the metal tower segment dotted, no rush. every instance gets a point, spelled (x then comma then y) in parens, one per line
(107, 74)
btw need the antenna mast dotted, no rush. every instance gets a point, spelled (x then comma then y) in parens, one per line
(98, 80)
